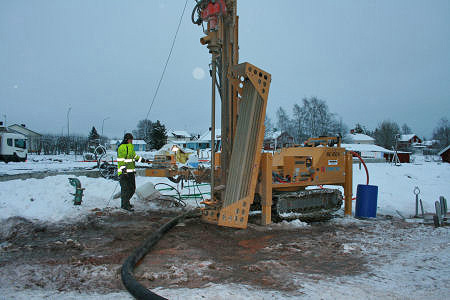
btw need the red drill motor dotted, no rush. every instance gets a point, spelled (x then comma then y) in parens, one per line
(212, 11)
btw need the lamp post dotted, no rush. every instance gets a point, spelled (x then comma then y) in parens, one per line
(103, 122)
(68, 132)
(68, 112)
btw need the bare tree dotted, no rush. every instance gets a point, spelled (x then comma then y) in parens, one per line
(144, 130)
(283, 121)
(386, 133)
(339, 127)
(314, 118)
(268, 126)
(442, 132)
(406, 129)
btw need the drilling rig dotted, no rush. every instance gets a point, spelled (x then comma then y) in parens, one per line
(242, 177)
(246, 177)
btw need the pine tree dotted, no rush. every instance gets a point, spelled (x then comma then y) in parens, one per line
(93, 139)
(93, 135)
(158, 135)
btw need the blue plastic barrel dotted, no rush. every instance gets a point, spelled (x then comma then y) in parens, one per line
(366, 201)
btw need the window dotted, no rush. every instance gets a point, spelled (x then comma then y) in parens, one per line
(9, 142)
(20, 143)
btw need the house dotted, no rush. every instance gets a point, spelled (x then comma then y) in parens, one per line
(368, 151)
(403, 156)
(179, 137)
(204, 141)
(376, 153)
(407, 141)
(277, 140)
(445, 154)
(139, 145)
(359, 138)
(34, 139)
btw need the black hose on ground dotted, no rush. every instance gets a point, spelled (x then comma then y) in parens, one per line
(132, 285)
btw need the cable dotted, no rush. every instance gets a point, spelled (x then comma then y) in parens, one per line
(112, 195)
(132, 285)
(167, 60)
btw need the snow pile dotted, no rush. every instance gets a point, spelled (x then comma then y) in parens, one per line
(50, 199)
(294, 224)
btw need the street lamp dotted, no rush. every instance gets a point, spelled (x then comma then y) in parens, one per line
(68, 132)
(68, 111)
(103, 122)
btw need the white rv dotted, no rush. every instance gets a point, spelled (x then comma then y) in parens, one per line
(13, 146)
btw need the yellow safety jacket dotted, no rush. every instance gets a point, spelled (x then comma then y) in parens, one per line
(126, 158)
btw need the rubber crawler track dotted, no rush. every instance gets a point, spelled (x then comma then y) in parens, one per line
(132, 285)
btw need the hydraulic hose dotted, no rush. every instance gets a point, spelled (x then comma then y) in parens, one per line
(132, 285)
(364, 164)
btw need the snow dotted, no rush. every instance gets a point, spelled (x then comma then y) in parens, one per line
(419, 260)
(359, 137)
(50, 199)
(406, 137)
(366, 148)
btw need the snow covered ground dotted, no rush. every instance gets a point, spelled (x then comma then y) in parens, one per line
(419, 260)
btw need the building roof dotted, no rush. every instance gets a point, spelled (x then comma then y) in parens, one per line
(359, 137)
(139, 142)
(181, 133)
(444, 150)
(366, 148)
(207, 135)
(135, 142)
(23, 130)
(406, 137)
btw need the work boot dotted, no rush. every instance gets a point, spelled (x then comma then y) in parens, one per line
(128, 207)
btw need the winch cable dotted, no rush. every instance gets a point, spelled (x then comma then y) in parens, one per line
(167, 60)
(132, 285)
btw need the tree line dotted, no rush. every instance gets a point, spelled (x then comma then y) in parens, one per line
(51, 144)
(313, 118)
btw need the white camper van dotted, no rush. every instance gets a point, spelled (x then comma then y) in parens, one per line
(13, 146)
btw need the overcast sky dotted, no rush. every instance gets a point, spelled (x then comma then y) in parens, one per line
(370, 60)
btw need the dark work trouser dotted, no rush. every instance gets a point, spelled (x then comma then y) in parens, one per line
(128, 187)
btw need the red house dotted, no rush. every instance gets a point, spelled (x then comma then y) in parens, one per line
(406, 141)
(445, 154)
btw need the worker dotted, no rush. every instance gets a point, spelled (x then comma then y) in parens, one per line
(126, 158)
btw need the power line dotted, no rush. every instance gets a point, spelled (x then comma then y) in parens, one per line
(167, 61)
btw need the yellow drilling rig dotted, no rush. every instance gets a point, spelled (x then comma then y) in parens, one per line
(242, 176)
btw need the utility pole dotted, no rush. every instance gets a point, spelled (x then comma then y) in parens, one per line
(103, 122)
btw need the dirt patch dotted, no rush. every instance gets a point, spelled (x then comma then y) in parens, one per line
(87, 256)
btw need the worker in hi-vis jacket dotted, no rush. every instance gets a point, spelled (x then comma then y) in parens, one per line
(126, 158)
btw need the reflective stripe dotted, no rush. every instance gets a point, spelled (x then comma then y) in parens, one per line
(140, 159)
(131, 170)
(127, 160)
(122, 167)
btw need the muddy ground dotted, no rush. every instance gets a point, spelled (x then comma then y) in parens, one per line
(87, 256)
